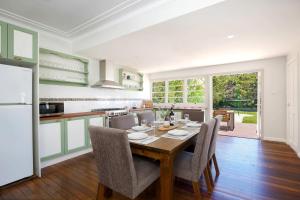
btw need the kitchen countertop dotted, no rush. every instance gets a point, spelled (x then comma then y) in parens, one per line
(139, 109)
(182, 108)
(71, 115)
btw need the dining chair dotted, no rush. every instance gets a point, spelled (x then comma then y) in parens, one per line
(194, 115)
(190, 166)
(212, 149)
(225, 117)
(123, 122)
(117, 169)
(148, 116)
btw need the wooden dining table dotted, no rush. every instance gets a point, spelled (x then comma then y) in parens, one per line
(165, 150)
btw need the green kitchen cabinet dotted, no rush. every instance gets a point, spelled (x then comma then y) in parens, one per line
(75, 132)
(22, 44)
(51, 139)
(93, 121)
(3, 40)
(64, 136)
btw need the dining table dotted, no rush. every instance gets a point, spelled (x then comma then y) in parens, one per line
(165, 150)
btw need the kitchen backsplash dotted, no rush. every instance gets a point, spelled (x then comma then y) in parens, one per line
(74, 105)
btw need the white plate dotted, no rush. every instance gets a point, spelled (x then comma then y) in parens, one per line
(183, 120)
(140, 128)
(158, 122)
(137, 136)
(177, 132)
(193, 124)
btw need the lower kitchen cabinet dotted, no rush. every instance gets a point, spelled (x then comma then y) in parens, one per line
(60, 137)
(51, 139)
(93, 121)
(75, 134)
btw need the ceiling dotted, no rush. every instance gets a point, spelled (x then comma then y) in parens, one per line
(68, 17)
(260, 29)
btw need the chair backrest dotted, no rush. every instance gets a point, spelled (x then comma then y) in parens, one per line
(124, 122)
(200, 156)
(224, 113)
(148, 116)
(213, 143)
(194, 115)
(113, 159)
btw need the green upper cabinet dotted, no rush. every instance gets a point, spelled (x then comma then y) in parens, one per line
(3, 40)
(22, 44)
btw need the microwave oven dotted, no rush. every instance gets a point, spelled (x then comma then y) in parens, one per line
(51, 109)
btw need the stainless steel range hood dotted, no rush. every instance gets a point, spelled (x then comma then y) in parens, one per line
(107, 79)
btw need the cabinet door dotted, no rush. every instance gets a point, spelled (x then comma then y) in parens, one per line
(75, 134)
(51, 139)
(93, 121)
(3, 40)
(22, 44)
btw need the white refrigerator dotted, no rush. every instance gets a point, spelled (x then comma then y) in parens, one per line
(16, 136)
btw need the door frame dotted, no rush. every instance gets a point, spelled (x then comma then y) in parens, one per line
(260, 96)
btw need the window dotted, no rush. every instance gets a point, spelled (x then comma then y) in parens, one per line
(158, 92)
(195, 90)
(190, 90)
(175, 94)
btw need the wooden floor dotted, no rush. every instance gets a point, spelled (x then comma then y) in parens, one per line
(250, 169)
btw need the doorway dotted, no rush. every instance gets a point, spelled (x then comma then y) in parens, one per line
(237, 97)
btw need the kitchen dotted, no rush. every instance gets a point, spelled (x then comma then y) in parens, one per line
(62, 74)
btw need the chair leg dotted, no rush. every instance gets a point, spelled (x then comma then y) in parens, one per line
(100, 192)
(210, 175)
(196, 187)
(216, 165)
(207, 181)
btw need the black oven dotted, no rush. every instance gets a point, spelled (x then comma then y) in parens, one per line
(51, 109)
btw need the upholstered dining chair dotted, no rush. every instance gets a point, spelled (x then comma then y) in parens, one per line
(123, 122)
(190, 166)
(117, 169)
(148, 116)
(212, 148)
(194, 115)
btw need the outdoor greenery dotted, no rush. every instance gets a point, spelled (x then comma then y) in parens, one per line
(237, 92)
(252, 119)
(179, 91)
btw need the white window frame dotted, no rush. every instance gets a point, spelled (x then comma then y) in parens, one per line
(185, 90)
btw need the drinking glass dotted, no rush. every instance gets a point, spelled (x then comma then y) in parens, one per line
(144, 122)
(186, 117)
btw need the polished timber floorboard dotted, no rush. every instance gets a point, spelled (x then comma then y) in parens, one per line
(250, 169)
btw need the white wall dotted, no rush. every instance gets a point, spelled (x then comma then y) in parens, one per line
(55, 91)
(274, 89)
(293, 97)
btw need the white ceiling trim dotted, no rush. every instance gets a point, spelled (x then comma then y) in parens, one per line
(100, 18)
(24, 20)
(121, 7)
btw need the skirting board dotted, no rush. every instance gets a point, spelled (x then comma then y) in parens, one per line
(65, 157)
(275, 139)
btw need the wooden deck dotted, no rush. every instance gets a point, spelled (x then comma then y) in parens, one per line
(250, 169)
(242, 130)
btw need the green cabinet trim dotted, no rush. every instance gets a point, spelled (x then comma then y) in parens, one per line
(121, 79)
(62, 134)
(84, 73)
(3, 53)
(67, 151)
(10, 50)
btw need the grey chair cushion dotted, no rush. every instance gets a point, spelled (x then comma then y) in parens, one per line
(197, 163)
(147, 171)
(212, 148)
(148, 116)
(124, 122)
(117, 168)
(183, 165)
